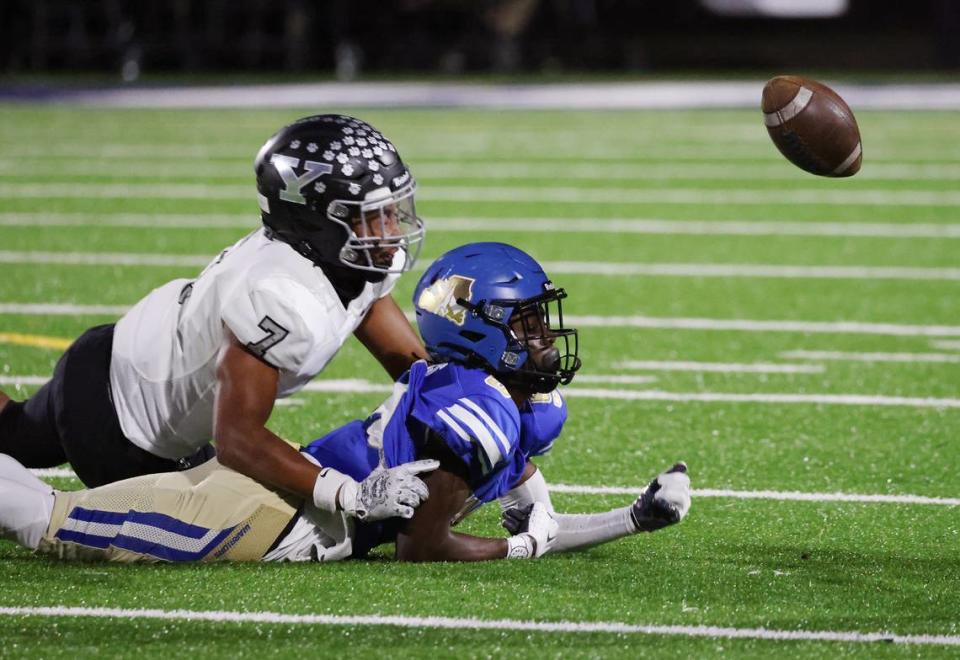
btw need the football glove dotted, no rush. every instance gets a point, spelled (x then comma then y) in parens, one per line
(386, 493)
(664, 502)
(536, 532)
(515, 520)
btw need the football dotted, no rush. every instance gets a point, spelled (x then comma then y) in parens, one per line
(812, 126)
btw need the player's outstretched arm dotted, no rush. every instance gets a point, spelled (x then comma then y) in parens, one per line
(665, 501)
(246, 389)
(428, 537)
(388, 335)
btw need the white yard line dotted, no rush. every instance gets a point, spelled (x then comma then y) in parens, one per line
(751, 270)
(352, 385)
(763, 397)
(721, 493)
(719, 367)
(871, 357)
(745, 325)
(647, 322)
(126, 190)
(694, 227)
(68, 309)
(685, 196)
(59, 473)
(136, 220)
(852, 229)
(104, 259)
(616, 379)
(791, 496)
(62, 309)
(698, 270)
(516, 194)
(946, 344)
(665, 94)
(131, 170)
(627, 171)
(652, 152)
(454, 623)
(20, 381)
(358, 386)
(439, 170)
(177, 152)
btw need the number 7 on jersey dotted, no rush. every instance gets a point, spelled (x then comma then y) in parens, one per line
(276, 333)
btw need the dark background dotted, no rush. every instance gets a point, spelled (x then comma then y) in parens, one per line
(343, 39)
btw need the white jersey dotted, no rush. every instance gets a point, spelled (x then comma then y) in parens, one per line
(165, 349)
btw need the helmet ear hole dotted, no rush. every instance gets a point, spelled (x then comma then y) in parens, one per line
(472, 336)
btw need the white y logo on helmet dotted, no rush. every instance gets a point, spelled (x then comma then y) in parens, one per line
(293, 184)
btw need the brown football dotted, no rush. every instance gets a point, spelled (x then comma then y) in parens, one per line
(812, 126)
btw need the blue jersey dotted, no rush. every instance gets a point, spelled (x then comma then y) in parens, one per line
(541, 420)
(468, 409)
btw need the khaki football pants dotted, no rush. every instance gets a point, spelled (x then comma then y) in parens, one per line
(208, 513)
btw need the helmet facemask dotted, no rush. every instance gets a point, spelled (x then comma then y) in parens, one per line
(384, 232)
(541, 353)
(551, 349)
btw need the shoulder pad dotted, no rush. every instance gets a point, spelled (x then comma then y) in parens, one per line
(497, 385)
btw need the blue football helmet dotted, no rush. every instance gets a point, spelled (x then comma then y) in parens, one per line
(490, 305)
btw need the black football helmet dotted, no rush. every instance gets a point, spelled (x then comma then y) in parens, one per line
(336, 190)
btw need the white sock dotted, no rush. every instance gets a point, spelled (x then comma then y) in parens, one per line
(586, 529)
(26, 504)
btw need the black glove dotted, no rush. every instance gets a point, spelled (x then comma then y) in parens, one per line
(664, 502)
(516, 520)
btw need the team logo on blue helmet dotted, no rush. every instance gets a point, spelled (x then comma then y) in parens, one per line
(490, 305)
(441, 297)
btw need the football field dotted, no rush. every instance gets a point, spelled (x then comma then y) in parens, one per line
(795, 340)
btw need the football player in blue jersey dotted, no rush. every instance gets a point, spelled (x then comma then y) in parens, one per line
(493, 324)
(481, 408)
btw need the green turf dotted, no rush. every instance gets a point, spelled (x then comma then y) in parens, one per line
(735, 563)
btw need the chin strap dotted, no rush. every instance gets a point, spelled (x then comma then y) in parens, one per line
(535, 382)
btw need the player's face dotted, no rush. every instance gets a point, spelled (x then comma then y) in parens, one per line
(378, 224)
(532, 328)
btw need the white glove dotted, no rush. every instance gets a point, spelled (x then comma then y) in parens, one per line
(385, 493)
(538, 537)
(664, 502)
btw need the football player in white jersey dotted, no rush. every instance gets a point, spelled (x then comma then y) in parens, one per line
(485, 406)
(204, 359)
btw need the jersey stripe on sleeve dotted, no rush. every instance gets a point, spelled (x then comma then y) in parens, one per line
(492, 425)
(491, 451)
(453, 425)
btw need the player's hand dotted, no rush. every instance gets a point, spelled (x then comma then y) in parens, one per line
(387, 493)
(515, 520)
(536, 532)
(664, 502)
